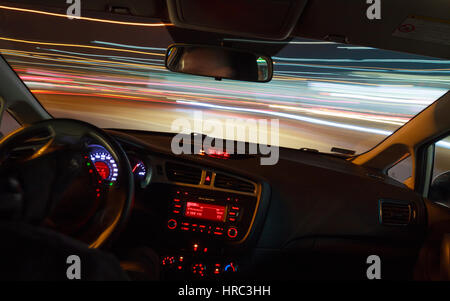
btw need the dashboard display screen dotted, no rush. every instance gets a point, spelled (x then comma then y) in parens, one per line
(205, 211)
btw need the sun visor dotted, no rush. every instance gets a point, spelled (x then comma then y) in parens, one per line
(265, 19)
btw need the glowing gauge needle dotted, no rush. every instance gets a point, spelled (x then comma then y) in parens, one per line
(134, 168)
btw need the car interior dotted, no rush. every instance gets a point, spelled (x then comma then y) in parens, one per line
(132, 209)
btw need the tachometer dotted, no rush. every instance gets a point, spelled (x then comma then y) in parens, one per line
(104, 163)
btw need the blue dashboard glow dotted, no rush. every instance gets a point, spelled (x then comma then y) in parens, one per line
(104, 163)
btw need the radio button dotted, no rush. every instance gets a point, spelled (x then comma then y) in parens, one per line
(232, 232)
(172, 224)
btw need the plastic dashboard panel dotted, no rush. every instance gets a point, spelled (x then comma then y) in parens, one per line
(323, 214)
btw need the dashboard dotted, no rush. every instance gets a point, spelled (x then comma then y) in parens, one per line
(225, 217)
(199, 212)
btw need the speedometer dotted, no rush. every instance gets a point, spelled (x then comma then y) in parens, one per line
(104, 163)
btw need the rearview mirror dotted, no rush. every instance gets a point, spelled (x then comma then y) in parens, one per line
(219, 62)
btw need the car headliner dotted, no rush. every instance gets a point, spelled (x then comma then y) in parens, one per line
(320, 19)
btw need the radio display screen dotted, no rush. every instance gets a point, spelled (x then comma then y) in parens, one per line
(205, 211)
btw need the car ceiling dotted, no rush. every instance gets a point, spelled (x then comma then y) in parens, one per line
(318, 19)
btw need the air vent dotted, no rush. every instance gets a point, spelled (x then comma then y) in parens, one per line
(223, 181)
(395, 213)
(183, 173)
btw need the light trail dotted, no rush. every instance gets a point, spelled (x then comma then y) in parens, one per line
(79, 46)
(292, 116)
(41, 12)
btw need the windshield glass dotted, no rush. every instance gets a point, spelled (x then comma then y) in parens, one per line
(324, 94)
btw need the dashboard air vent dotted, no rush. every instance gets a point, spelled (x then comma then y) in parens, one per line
(395, 213)
(183, 173)
(227, 182)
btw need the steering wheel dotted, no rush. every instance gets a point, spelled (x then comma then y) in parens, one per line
(60, 185)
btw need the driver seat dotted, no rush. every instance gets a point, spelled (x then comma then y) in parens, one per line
(34, 253)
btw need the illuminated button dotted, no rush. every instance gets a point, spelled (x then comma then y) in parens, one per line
(172, 224)
(199, 269)
(218, 233)
(217, 268)
(232, 219)
(208, 178)
(235, 208)
(176, 200)
(232, 232)
(168, 260)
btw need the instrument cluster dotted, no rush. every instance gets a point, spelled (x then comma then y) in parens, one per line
(108, 169)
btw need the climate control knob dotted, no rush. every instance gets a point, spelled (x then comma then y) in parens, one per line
(232, 232)
(171, 224)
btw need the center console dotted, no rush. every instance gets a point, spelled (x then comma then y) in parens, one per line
(206, 225)
(217, 216)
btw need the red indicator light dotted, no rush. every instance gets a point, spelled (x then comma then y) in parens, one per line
(176, 200)
(176, 211)
(180, 267)
(205, 250)
(205, 211)
(184, 228)
(218, 233)
(216, 153)
(195, 247)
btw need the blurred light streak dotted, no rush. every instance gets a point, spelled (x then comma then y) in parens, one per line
(294, 117)
(344, 114)
(12, 8)
(79, 46)
(128, 46)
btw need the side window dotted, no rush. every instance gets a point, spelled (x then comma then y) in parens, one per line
(440, 182)
(8, 124)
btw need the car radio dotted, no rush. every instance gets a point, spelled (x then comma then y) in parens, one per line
(217, 214)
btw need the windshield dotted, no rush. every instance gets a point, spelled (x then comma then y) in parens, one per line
(324, 94)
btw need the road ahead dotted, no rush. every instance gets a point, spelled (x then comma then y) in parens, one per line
(323, 94)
